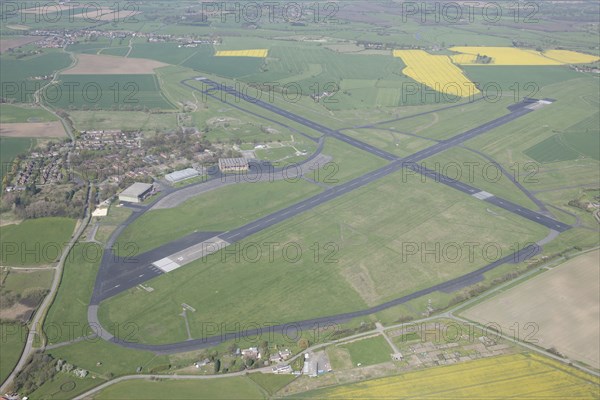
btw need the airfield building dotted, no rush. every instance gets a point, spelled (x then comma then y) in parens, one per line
(233, 164)
(182, 175)
(136, 192)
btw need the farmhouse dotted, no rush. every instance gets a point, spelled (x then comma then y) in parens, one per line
(233, 164)
(136, 192)
(181, 175)
(251, 352)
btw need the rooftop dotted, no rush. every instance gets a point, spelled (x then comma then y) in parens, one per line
(136, 190)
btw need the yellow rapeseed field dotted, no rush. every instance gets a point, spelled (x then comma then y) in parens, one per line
(570, 57)
(437, 72)
(517, 376)
(259, 53)
(515, 56)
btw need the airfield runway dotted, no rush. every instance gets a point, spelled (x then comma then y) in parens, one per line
(111, 281)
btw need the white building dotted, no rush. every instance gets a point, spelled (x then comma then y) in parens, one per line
(136, 192)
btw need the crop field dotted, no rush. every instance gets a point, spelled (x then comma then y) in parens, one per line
(20, 280)
(230, 67)
(124, 120)
(437, 72)
(53, 129)
(89, 47)
(577, 101)
(580, 141)
(521, 376)
(114, 51)
(109, 92)
(558, 305)
(516, 82)
(515, 56)
(167, 53)
(29, 286)
(109, 65)
(42, 233)
(566, 147)
(217, 389)
(362, 265)
(359, 80)
(10, 147)
(12, 113)
(570, 57)
(15, 74)
(260, 53)
(12, 43)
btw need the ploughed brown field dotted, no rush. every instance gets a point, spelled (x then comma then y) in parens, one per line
(564, 303)
(91, 64)
(33, 129)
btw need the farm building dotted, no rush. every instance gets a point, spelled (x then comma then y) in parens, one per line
(136, 192)
(181, 175)
(233, 164)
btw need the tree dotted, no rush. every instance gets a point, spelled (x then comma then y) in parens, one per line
(303, 344)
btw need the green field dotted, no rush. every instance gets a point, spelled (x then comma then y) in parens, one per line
(89, 47)
(36, 241)
(445, 124)
(566, 147)
(243, 202)
(473, 169)
(216, 389)
(12, 341)
(67, 316)
(517, 82)
(64, 386)
(19, 281)
(116, 51)
(271, 382)
(390, 141)
(348, 163)
(360, 261)
(10, 147)
(11, 113)
(15, 74)
(103, 359)
(229, 67)
(124, 120)
(370, 351)
(108, 92)
(581, 140)
(164, 52)
(576, 107)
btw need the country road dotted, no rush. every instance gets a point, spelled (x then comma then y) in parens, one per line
(36, 324)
